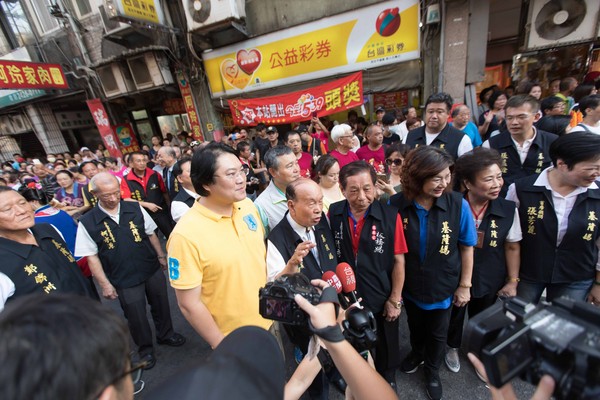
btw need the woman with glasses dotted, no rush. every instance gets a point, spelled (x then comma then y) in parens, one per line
(440, 234)
(394, 157)
(328, 174)
(478, 174)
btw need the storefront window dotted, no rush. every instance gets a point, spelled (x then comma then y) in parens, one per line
(173, 124)
(41, 8)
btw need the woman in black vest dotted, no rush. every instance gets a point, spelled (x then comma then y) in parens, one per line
(440, 235)
(478, 174)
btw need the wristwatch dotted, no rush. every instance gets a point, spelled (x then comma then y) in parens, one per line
(397, 304)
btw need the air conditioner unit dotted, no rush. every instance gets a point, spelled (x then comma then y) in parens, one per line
(113, 27)
(150, 70)
(20, 123)
(558, 22)
(204, 15)
(116, 80)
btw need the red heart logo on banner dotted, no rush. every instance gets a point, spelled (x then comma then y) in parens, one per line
(249, 61)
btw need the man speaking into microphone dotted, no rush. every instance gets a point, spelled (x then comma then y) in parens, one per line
(369, 237)
(302, 242)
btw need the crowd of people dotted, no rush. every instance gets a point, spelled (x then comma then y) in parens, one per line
(438, 217)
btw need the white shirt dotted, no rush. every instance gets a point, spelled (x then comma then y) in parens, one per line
(522, 150)
(85, 245)
(562, 205)
(275, 261)
(592, 129)
(464, 146)
(179, 208)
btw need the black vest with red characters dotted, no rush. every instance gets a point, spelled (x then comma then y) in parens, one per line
(374, 262)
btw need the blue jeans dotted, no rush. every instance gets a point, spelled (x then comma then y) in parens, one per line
(532, 291)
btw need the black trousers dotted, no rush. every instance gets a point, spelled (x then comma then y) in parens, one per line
(133, 303)
(457, 317)
(386, 355)
(164, 221)
(428, 332)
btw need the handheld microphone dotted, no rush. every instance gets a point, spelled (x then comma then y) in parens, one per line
(332, 279)
(348, 280)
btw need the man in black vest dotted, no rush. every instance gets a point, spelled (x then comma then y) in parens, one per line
(125, 258)
(89, 169)
(166, 158)
(148, 188)
(369, 236)
(302, 242)
(187, 194)
(35, 258)
(560, 211)
(524, 148)
(437, 131)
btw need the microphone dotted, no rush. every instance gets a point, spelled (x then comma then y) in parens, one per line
(348, 281)
(332, 279)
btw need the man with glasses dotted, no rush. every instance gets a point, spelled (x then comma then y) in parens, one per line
(217, 249)
(437, 131)
(342, 138)
(525, 150)
(125, 258)
(82, 350)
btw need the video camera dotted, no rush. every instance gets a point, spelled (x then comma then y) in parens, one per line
(276, 299)
(562, 340)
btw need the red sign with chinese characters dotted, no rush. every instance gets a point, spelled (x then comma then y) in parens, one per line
(339, 95)
(27, 75)
(106, 132)
(127, 141)
(391, 101)
(188, 101)
(174, 106)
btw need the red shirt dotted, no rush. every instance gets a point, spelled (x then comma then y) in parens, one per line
(374, 157)
(356, 228)
(131, 176)
(305, 162)
(344, 159)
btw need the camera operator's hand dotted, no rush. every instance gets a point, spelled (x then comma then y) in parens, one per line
(322, 315)
(543, 392)
(594, 296)
(462, 296)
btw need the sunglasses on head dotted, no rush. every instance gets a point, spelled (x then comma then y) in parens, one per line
(396, 161)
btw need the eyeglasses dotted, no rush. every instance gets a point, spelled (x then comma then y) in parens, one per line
(346, 136)
(396, 161)
(135, 372)
(520, 117)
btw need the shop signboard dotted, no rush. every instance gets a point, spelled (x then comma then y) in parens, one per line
(369, 37)
(28, 75)
(106, 131)
(190, 107)
(127, 141)
(12, 97)
(330, 98)
(147, 11)
(391, 101)
(174, 106)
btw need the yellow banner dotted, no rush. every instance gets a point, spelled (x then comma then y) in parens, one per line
(381, 34)
(144, 10)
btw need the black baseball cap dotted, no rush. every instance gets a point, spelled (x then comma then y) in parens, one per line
(271, 129)
(302, 128)
(379, 109)
(247, 364)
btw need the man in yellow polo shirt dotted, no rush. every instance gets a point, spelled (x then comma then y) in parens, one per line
(217, 251)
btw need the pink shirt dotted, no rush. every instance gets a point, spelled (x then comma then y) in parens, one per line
(344, 159)
(375, 158)
(305, 163)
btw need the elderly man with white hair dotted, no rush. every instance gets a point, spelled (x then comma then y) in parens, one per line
(342, 137)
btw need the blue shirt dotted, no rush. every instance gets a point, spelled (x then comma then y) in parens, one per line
(466, 237)
(473, 133)
(61, 221)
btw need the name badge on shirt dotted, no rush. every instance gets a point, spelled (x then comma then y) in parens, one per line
(480, 235)
(251, 222)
